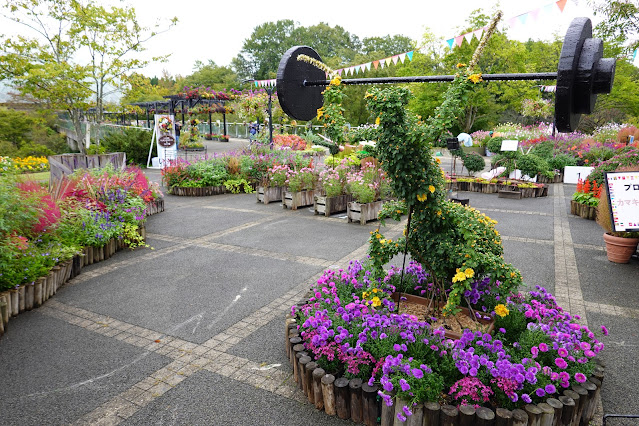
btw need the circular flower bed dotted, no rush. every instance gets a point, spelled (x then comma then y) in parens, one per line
(351, 327)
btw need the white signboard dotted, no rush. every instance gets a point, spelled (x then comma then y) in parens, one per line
(509, 145)
(165, 138)
(622, 189)
(572, 174)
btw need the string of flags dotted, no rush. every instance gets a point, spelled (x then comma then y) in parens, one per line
(356, 69)
(521, 19)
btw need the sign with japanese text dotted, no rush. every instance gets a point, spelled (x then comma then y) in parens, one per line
(622, 189)
(165, 134)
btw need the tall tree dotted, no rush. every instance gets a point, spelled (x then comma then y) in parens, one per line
(213, 76)
(620, 23)
(50, 62)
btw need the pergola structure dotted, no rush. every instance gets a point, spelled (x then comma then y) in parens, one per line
(181, 104)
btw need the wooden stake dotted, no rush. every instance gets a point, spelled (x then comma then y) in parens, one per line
(30, 296)
(355, 390)
(466, 415)
(520, 418)
(576, 400)
(547, 414)
(296, 368)
(448, 416)
(342, 398)
(567, 411)
(583, 401)
(302, 373)
(558, 407)
(596, 396)
(370, 404)
(485, 416)
(328, 393)
(431, 413)
(310, 367)
(590, 404)
(317, 388)
(534, 414)
(503, 417)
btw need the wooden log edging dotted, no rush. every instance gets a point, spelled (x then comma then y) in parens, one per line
(154, 207)
(197, 192)
(32, 295)
(352, 399)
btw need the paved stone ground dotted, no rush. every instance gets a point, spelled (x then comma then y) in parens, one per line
(191, 332)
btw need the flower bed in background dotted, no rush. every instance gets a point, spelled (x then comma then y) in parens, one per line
(24, 165)
(40, 232)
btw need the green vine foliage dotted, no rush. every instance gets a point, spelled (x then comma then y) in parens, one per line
(331, 115)
(457, 244)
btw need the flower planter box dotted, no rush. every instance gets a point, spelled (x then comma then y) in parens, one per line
(363, 213)
(558, 178)
(269, 194)
(198, 192)
(294, 200)
(582, 210)
(331, 205)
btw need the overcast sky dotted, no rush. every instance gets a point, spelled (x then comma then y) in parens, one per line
(216, 30)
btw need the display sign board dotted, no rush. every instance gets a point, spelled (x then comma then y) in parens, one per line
(572, 174)
(622, 189)
(509, 145)
(165, 137)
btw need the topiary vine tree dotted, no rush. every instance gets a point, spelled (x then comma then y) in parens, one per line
(457, 244)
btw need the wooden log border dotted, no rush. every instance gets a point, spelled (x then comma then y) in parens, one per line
(358, 401)
(26, 297)
(496, 188)
(198, 192)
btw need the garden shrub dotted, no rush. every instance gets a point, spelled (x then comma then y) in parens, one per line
(473, 162)
(531, 165)
(494, 144)
(135, 143)
(560, 161)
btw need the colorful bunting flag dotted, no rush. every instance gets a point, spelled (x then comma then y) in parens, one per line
(535, 14)
(459, 40)
(523, 17)
(450, 42)
(388, 61)
(409, 55)
(561, 4)
(395, 58)
(468, 37)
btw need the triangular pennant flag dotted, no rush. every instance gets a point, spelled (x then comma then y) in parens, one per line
(356, 68)
(512, 21)
(409, 55)
(548, 8)
(478, 33)
(256, 83)
(634, 55)
(381, 63)
(523, 18)
(395, 58)
(402, 58)
(459, 40)
(388, 60)
(368, 66)
(468, 37)
(535, 13)
(375, 64)
(450, 42)
(561, 4)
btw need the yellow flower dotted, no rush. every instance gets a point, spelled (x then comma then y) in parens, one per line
(501, 310)
(460, 65)
(431, 188)
(469, 273)
(421, 197)
(377, 121)
(438, 160)
(376, 302)
(378, 236)
(320, 113)
(459, 276)
(336, 81)
(475, 78)
(374, 290)
(382, 241)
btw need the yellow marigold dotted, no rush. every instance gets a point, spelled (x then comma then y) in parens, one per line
(382, 241)
(501, 310)
(469, 272)
(320, 113)
(421, 197)
(376, 302)
(460, 65)
(438, 160)
(431, 188)
(378, 236)
(336, 81)
(459, 276)
(377, 121)
(475, 78)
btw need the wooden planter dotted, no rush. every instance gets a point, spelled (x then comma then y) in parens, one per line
(363, 213)
(198, 192)
(582, 210)
(509, 193)
(269, 194)
(331, 205)
(558, 178)
(294, 200)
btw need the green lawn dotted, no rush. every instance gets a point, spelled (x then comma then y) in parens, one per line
(40, 176)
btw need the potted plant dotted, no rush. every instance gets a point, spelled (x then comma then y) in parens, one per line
(300, 191)
(333, 186)
(620, 246)
(366, 186)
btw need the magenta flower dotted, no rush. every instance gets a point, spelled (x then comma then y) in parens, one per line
(562, 352)
(404, 384)
(550, 389)
(543, 347)
(580, 377)
(417, 373)
(604, 330)
(561, 363)
(526, 398)
(540, 392)
(534, 351)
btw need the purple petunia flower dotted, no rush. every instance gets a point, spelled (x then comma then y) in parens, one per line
(404, 384)
(417, 373)
(550, 389)
(526, 398)
(540, 392)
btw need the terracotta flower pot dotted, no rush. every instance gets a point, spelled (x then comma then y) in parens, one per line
(620, 249)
